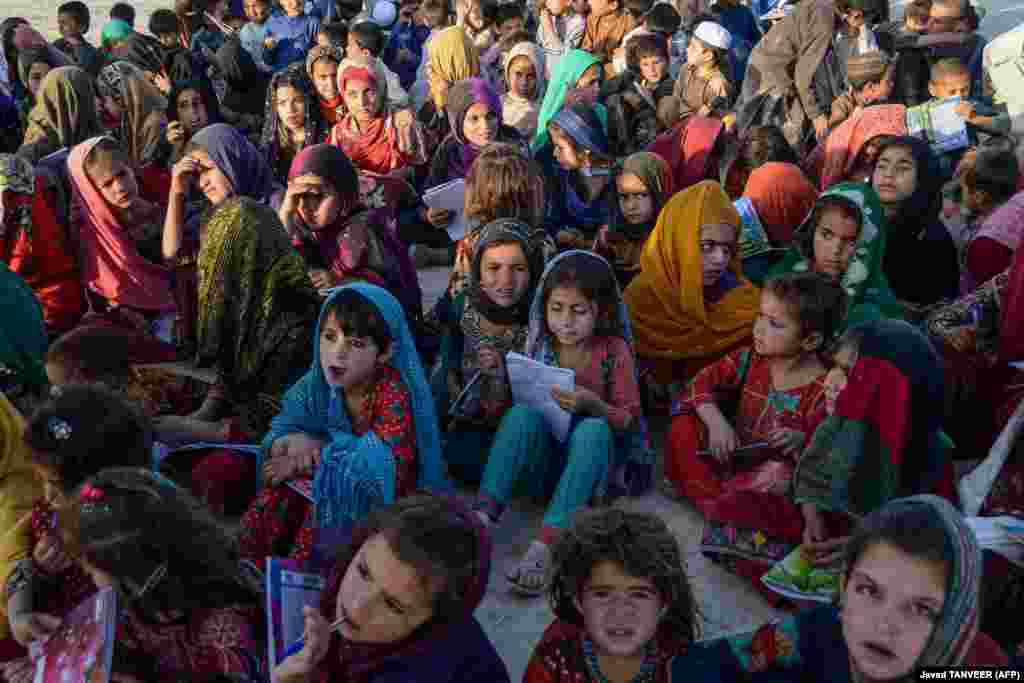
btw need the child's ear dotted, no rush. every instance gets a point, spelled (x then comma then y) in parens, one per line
(387, 354)
(932, 89)
(813, 342)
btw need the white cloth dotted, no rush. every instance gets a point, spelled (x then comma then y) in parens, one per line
(713, 34)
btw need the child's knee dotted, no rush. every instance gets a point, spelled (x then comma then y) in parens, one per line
(524, 418)
(592, 433)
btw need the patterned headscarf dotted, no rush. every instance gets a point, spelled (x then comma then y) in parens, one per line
(843, 147)
(520, 113)
(461, 97)
(275, 133)
(144, 119)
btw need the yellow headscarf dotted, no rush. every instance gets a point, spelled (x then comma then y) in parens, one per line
(666, 300)
(452, 55)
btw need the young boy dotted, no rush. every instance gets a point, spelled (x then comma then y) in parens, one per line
(124, 12)
(73, 22)
(989, 176)
(366, 39)
(560, 30)
(871, 79)
(633, 98)
(290, 35)
(915, 17)
(703, 87)
(508, 19)
(254, 34)
(476, 17)
(405, 45)
(164, 26)
(607, 25)
(333, 34)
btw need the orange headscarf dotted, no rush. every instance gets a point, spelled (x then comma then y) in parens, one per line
(666, 300)
(783, 198)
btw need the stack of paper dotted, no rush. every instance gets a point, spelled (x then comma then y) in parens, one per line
(532, 382)
(451, 197)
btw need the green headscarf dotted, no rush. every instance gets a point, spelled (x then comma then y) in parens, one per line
(115, 30)
(867, 289)
(569, 71)
(22, 333)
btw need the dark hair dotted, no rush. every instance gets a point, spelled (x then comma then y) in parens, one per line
(79, 10)
(591, 119)
(636, 8)
(642, 545)
(506, 12)
(868, 7)
(763, 144)
(646, 45)
(919, 10)
(502, 182)
(124, 12)
(917, 530)
(663, 18)
(819, 301)
(94, 353)
(192, 563)
(358, 317)
(805, 240)
(996, 171)
(436, 12)
(84, 429)
(946, 67)
(164, 21)
(596, 282)
(336, 32)
(488, 10)
(368, 36)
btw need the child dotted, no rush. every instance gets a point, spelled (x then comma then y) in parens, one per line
(634, 98)
(293, 120)
(359, 428)
(623, 604)
(577, 321)
(333, 34)
(322, 68)
(950, 77)
(73, 22)
(431, 557)
(988, 177)
(289, 36)
(124, 12)
(910, 598)
(85, 429)
(758, 146)
(164, 26)
(560, 30)
(870, 76)
(191, 106)
(636, 9)
(915, 17)
(366, 40)
(254, 34)
(208, 39)
(477, 20)
(583, 178)
(662, 21)
(728, 471)
(405, 45)
(525, 78)
(607, 24)
(188, 609)
(508, 18)
(703, 87)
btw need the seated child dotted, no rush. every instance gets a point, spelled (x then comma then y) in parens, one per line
(70, 438)
(633, 99)
(560, 30)
(191, 106)
(524, 76)
(356, 432)
(910, 598)
(289, 36)
(412, 574)
(73, 23)
(366, 40)
(577, 321)
(988, 176)
(322, 68)
(636, 9)
(123, 12)
(990, 246)
(757, 146)
(703, 88)
(950, 77)
(494, 61)
(607, 24)
(624, 607)
(236, 22)
(254, 34)
(404, 49)
(871, 79)
(164, 26)
(741, 424)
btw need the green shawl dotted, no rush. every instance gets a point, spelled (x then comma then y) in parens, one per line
(22, 334)
(570, 69)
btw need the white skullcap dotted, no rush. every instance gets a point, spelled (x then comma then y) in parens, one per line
(713, 34)
(384, 13)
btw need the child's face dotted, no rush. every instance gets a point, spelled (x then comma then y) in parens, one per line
(571, 316)
(256, 11)
(290, 103)
(915, 25)
(212, 181)
(697, 53)
(68, 25)
(557, 7)
(36, 73)
(717, 246)
(192, 111)
(891, 603)
(581, 7)
(219, 8)
(895, 177)
(325, 78)
(653, 69)
(510, 26)
(522, 78)
(361, 99)
(566, 154)
(115, 181)
(777, 331)
(835, 240)
(620, 612)
(957, 85)
(880, 91)
(348, 361)
(854, 20)
(381, 599)
(293, 8)
(504, 274)
(480, 126)
(168, 40)
(635, 200)
(602, 7)
(835, 381)
(319, 204)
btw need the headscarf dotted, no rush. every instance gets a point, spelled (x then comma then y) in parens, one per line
(246, 85)
(22, 333)
(65, 109)
(568, 72)
(504, 231)
(1011, 317)
(328, 109)
(883, 439)
(656, 176)
(843, 147)
(111, 264)
(30, 56)
(517, 112)
(144, 119)
(145, 52)
(461, 97)
(1005, 225)
(867, 289)
(331, 164)
(205, 91)
(242, 163)
(251, 282)
(25, 38)
(115, 30)
(688, 149)
(274, 129)
(783, 197)
(374, 147)
(451, 56)
(666, 300)
(586, 136)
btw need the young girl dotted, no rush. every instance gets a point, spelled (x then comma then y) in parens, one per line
(850, 151)
(192, 106)
(187, 608)
(577, 321)
(584, 199)
(404, 587)
(623, 605)
(909, 599)
(65, 89)
(737, 467)
(577, 79)
(322, 68)
(358, 430)
(451, 57)
(292, 120)
(70, 438)
(644, 185)
(526, 79)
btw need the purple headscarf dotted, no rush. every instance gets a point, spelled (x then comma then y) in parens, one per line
(239, 160)
(461, 97)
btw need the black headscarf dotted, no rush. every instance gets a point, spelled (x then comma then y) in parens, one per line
(505, 231)
(144, 52)
(205, 91)
(246, 91)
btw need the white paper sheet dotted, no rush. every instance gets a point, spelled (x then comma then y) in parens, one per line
(532, 383)
(939, 124)
(450, 196)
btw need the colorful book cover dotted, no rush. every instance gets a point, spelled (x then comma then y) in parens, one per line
(753, 238)
(289, 589)
(82, 649)
(796, 578)
(937, 122)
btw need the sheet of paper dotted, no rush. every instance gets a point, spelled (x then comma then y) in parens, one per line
(532, 382)
(450, 196)
(939, 124)
(288, 591)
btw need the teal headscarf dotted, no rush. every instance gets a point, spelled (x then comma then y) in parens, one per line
(23, 339)
(570, 69)
(115, 30)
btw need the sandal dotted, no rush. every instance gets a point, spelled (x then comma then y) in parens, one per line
(530, 576)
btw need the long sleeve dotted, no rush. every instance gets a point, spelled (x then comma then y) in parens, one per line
(613, 377)
(717, 382)
(814, 45)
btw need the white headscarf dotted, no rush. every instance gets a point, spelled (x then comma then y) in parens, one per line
(520, 113)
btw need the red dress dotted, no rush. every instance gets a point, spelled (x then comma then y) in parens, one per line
(280, 521)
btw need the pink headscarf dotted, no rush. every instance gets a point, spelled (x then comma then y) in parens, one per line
(845, 143)
(111, 264)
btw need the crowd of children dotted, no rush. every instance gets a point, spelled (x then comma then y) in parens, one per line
(742, 233)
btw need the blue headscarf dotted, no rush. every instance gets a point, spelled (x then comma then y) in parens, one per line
(586, 136)
(357, 473)
(239, 160)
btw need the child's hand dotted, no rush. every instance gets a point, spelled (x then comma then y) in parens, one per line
(269, 43)
(162, 82)
(403, 119)
(789, 441)
(49, 554)
(183, 174)
(21, 670)
(32, 626)
(323, 279)
(581, 401)
(175, 133)
(826, 553)
(815, 528)
(289, 455)
(722, 440)
(318, 639)
(440, 218)
(491, 361)
(965, 110)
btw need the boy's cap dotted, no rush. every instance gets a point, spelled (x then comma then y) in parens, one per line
(867, 67)
(713, 34)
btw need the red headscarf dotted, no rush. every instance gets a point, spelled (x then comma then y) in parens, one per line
(840, 151)
(373, 148)
(783, 198)
(687, 148)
